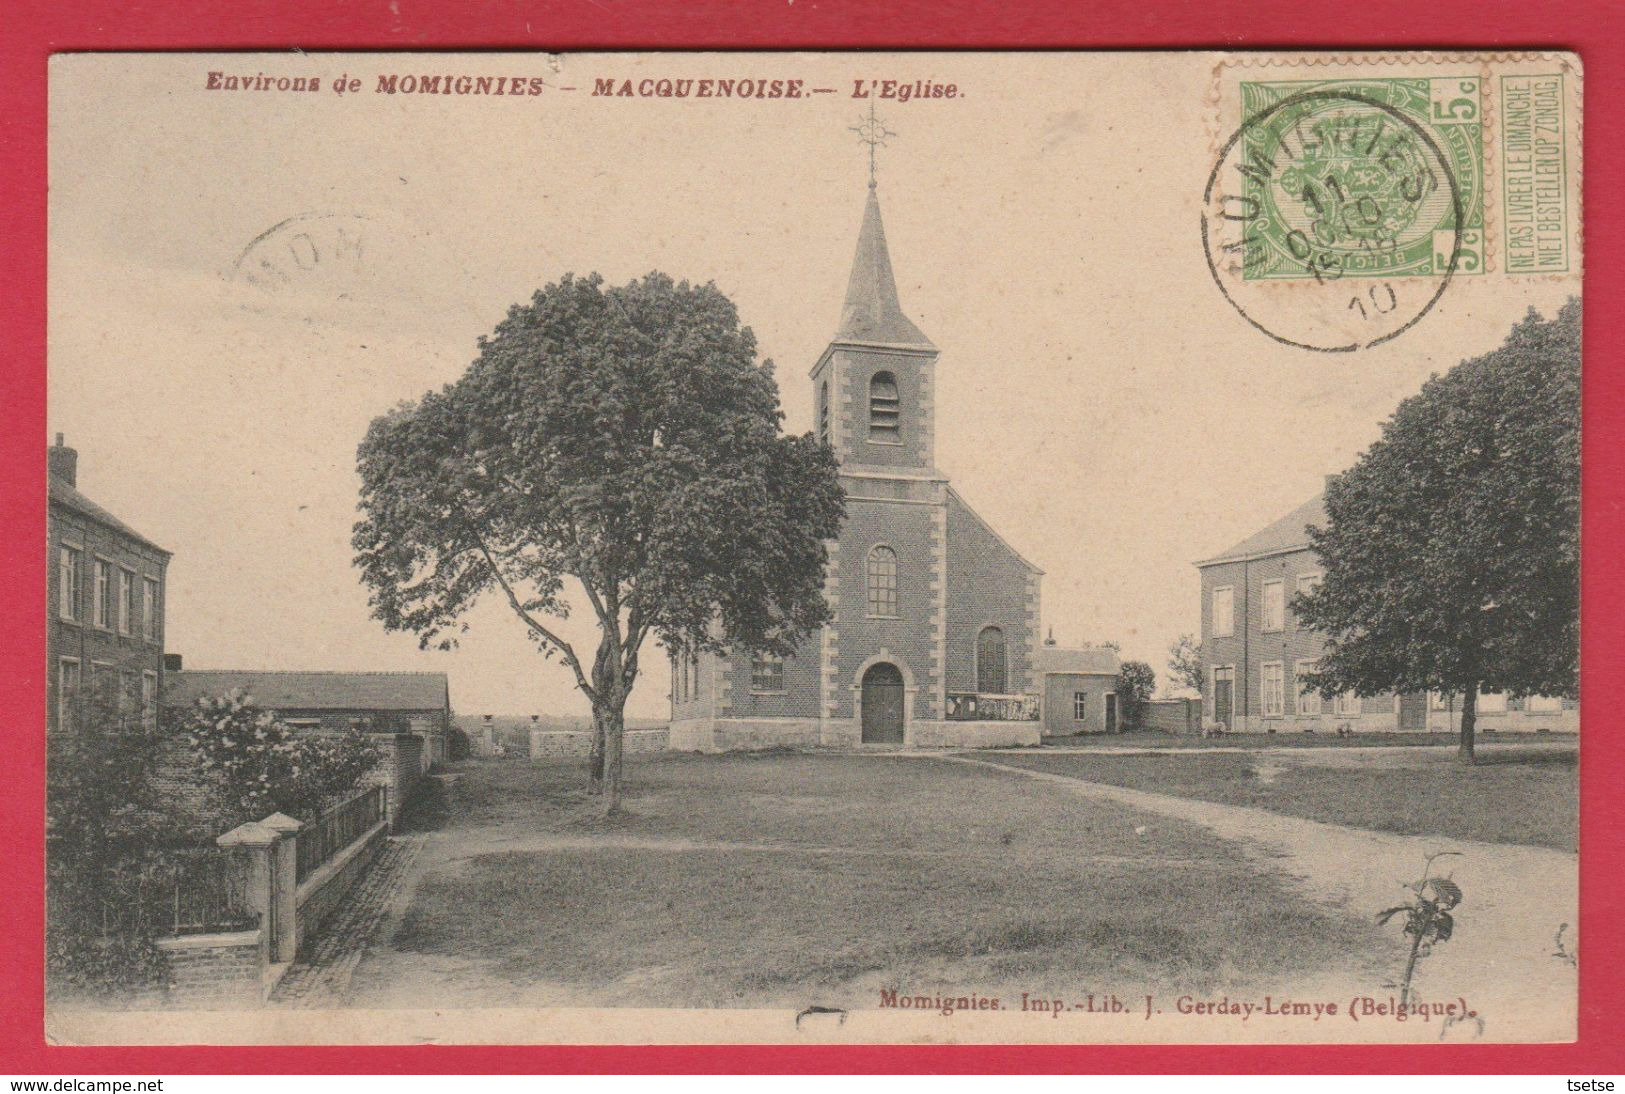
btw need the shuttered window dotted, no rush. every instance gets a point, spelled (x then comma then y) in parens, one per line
(885, 408)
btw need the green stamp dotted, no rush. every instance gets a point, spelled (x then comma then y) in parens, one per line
(1377, 178)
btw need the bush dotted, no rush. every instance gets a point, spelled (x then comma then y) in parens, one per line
(258, 765)
(1136, 681)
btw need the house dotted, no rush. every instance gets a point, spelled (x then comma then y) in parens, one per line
(415, 703)
(104, 640)
(1255, 652)
(934, 639)
(1079, 690)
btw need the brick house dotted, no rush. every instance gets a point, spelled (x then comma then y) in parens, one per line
(935, 635)
(415, 703)
(105, 605)
(1079, 690)
(1254, 651)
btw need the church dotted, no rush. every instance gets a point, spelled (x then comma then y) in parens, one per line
(934, 636)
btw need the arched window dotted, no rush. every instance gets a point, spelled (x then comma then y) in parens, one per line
(991, 675)
(885, 409)
(882, 582)
(823, 412)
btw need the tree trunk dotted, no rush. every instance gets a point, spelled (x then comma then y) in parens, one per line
(609, 723)
(1469, 716)
(595, 761)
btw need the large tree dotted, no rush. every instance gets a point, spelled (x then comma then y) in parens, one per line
(1185, 663)
(1451, 550)
(621, 445)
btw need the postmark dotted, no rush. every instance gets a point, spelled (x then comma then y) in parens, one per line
(326, 250)
(1333, 220)
(1361, 187)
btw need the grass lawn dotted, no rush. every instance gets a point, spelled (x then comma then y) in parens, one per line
(790, 879)
(1231, 741)
(1513, 795)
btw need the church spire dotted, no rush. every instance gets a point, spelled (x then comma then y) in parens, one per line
(872, 312)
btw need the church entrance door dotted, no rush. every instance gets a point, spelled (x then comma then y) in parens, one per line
(883, 705)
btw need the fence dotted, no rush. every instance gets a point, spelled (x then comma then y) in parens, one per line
(973, 707)
(177, 891)
(337, 828)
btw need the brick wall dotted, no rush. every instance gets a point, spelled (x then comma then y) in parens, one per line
(988, 585)
(323, 892)
(215, 972)
(399, 770)
(1174, 715)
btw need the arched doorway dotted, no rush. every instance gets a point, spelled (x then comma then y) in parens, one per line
(883, 704)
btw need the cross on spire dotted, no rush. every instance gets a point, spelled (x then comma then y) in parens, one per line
(872, 132)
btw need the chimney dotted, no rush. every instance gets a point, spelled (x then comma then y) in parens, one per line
(172, 662)
(63, 462)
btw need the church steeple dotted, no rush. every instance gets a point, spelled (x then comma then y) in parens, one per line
(872, 313)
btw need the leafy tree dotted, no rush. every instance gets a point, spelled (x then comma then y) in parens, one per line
(622, 441)
(1185, 662)
(1452, 548)
(1135, 682)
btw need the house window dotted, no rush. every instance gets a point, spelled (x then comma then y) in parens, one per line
(1080, 706)
(1308, 698)
(70, 575)
(883, 582)
(991, 675)
(885, 409)
(149, 698)
(1347, 705)
(823, 412)
(1274, 605)
(1274, 690)
(67, 692)
(101, 611)
(1224, 611)
(126, 592)
(1543, 704)
(1492, 702)
(149, 608)
(767, 673)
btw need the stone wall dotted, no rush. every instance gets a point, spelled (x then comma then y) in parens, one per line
(321, 894)
(556, 744)
(972, 734)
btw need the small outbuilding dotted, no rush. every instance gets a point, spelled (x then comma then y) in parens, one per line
(1079, 690)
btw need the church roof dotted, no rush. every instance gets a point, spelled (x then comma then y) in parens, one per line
(872, 313)
(1286, 534)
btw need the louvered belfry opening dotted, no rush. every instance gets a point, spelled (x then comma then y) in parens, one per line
(885, 408)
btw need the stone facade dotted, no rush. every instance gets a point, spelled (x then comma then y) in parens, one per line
(1253, 642)
(105, 588)
(925, 596)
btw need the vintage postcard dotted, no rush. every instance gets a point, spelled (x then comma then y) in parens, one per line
(813, 548)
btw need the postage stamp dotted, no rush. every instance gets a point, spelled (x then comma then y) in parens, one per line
(1362, 185)
(807, 548)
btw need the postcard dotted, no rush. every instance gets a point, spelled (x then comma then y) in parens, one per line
(662, 548)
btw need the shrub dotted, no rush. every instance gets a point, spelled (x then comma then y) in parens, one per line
(257, 764)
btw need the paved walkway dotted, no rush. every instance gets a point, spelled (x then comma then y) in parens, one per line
(1502, 958)
(320, 978)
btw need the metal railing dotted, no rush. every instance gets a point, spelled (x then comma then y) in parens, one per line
(337, 828)
(177, 891)
(970, 706)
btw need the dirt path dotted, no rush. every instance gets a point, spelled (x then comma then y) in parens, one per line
(1501, 960)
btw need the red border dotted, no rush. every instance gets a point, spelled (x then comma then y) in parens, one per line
(36, 28)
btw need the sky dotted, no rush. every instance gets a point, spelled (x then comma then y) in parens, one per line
(1099, 402)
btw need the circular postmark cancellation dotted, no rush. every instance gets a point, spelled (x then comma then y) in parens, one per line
(1336, 216)
(312, 250)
